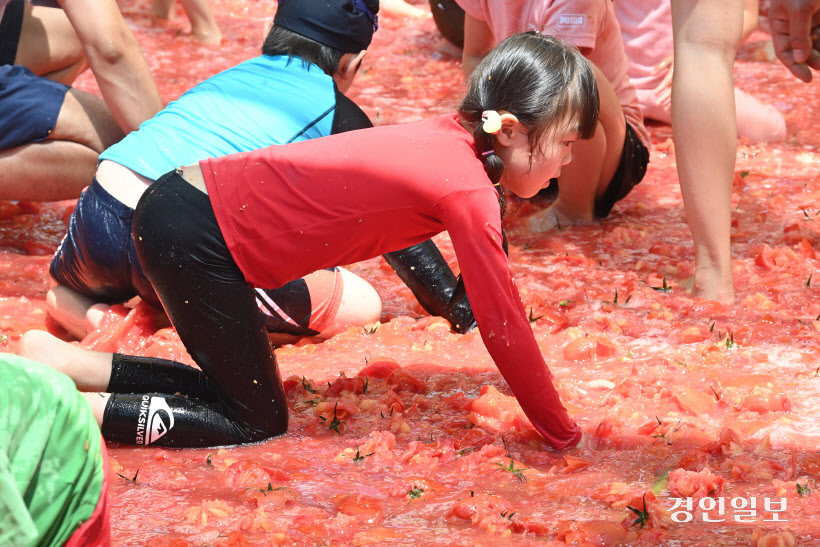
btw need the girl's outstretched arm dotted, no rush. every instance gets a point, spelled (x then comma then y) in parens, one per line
(474, 224)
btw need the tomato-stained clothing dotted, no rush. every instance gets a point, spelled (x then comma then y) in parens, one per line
(286, 211)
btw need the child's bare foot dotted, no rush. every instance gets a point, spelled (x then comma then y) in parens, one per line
(719, 292)
(207, 35)
(163, 9)
(546, 220)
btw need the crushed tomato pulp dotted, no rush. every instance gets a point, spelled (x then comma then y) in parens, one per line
(405, 434)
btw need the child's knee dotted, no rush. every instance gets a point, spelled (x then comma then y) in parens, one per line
(360, 305)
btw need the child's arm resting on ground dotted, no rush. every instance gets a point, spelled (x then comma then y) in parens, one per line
(472, 219)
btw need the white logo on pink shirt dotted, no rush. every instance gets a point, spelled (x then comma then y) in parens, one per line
(572, 20)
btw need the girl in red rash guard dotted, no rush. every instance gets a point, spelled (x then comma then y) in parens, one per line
(208, 233)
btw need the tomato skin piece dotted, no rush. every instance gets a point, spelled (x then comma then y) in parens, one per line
(766, 401)
(404, 381)
(809, 463)
(648, 428)
(532, 526)
(379, 368)
(363, 508)
(571, 463)
(773, 539)
(580, 349)
(427, 489)
(470, 508)
(553, 321)
(9, 210)
(695, 484)
(245, 474)
(587, 348)
(694, 401)
(805, 249)
(342, 383)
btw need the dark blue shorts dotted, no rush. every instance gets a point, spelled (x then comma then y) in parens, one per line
(29, 106)
(98, 258)
(10, 27)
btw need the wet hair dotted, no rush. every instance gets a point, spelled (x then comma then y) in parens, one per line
(548, 85)
(539, 79)
(281, 41)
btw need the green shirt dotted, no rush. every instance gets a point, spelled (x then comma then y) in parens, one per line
(51, 471)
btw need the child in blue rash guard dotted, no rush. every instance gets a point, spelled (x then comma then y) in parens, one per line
(293, 92)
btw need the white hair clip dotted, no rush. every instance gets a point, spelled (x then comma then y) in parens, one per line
(491, 121)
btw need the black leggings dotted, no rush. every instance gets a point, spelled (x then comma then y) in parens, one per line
(238, 396)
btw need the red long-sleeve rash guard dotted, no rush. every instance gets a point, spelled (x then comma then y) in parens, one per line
(286, 211)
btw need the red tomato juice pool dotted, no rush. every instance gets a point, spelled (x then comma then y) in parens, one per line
(702, 418)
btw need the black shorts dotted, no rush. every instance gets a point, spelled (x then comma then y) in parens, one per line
(449, 19)
(29, 106)
(10, 27)
(630, 171)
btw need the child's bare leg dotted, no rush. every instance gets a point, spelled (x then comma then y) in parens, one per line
(361, 305)
(75, 312)
(90, 370)
(593, 165)
(164, 9)
(203, 24)
(98, 402)
(706, 35)
(62, 165)
(51, 170)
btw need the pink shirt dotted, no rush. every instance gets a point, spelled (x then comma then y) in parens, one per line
(590, 25)
(646, 27)
(288, 210)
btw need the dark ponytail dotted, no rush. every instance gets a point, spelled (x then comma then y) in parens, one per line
(494, 167)
(543, 83)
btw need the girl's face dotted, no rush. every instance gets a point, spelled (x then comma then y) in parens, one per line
(527, 170)
(530, 169)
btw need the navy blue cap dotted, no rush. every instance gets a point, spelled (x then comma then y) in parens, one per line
(347, 25)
